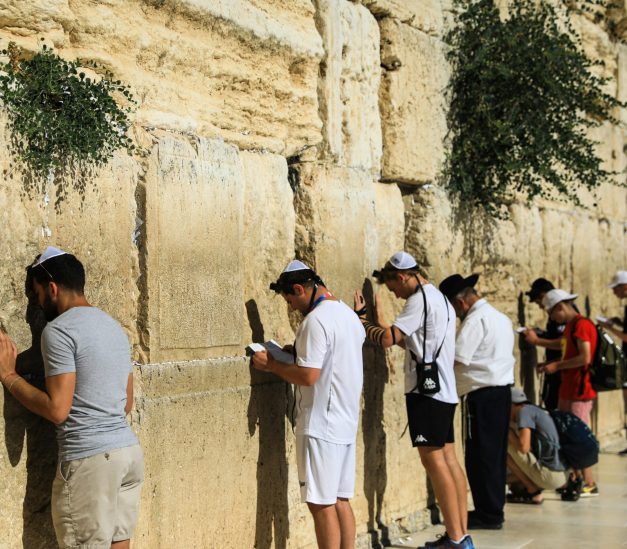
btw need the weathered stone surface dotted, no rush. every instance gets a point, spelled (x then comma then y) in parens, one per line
(248, 75)
(224, 427)
(422, 15)
(194, 208)
(268, 244)
(349, 85)
(412, 103)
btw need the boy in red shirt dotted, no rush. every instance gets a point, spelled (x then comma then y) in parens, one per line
(579, 343)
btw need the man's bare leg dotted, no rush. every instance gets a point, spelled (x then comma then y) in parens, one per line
(327, 525)
(445, 489)
(125, 544)
(461, 486)
(348, 530)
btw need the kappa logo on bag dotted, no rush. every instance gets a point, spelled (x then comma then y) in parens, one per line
(429, 384)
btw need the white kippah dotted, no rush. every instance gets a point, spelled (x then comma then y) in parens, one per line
(402, 260)
(296, 266)
(49, 253)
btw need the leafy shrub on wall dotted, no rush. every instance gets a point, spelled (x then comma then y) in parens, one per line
(62, 123)
(523, 96)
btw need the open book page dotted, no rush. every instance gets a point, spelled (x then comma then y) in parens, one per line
(274, 349)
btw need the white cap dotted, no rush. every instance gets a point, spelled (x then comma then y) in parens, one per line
(553, 297)
(518, 395)
(619, 278)
(49, 253)
(402, 260)
(296, 266)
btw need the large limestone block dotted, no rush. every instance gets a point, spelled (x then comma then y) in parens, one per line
(52, 17)
(431, 235)
(218, 467)
(97, 225)
(412, 103)
(268, 244)
(243, 70)
(349, 86)
(335, 208)
(424, 15)
(194, 223)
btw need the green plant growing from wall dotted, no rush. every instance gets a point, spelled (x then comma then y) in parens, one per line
(62, 123)
(523, 97)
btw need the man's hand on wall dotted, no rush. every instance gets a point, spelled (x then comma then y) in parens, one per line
(8, 353)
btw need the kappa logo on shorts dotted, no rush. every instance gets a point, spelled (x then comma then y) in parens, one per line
(420, 438)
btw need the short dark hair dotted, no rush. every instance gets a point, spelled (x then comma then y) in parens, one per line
(65, 270)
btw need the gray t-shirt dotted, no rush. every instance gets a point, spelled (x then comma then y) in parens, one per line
(88, 342)
(544, 437)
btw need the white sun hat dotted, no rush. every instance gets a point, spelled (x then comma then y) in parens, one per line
(556, 296)
(619, 278)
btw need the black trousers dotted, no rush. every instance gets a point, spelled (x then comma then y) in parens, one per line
(487, 417)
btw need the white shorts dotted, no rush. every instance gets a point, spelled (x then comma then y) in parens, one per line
(326, 471)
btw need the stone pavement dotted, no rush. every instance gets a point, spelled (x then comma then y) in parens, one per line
(599, 522)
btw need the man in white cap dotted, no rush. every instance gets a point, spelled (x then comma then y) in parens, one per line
(484, 370)
(532, 451)
(425, 328)
(579, 344)
(328, 373)
(89, 391)
(618, 327)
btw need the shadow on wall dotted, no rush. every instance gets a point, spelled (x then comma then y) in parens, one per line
(528, 356)
(20, 427)
(373, 432)
(270, 403)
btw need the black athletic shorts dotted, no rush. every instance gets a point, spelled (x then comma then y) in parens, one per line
(430, 420)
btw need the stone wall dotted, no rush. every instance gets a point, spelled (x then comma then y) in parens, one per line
(270, 130)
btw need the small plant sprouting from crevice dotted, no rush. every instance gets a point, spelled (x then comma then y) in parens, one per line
(63, 124)
(523, 96)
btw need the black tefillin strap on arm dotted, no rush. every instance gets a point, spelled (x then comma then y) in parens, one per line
(373, 332)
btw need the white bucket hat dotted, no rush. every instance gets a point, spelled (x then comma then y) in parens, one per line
(556, 296)
(619, 278)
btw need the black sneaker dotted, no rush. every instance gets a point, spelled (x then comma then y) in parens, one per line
(475, 523)
(572, 491)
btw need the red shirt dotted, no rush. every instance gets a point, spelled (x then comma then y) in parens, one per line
(581, 329)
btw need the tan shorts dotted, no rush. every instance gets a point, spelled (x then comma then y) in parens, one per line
(95, 500)
(537, 473)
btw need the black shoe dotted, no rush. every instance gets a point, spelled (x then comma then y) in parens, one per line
(572, 491)
(475, 523)
(623, 452)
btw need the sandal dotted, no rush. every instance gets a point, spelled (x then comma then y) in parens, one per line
(525, 498)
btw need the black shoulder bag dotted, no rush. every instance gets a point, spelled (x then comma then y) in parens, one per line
(428, 377)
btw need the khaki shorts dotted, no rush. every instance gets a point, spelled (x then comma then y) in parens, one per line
(95, 500)
(537, 473)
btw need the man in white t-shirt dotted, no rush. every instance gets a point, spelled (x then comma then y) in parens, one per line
(430, 394)
(328, 373)
(484, 370)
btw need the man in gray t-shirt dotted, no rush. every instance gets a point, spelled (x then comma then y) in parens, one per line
(89, 391)
(532, 451)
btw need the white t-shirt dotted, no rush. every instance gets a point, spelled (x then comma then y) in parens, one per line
(484, 348)
(330, 338)
(411, 321)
